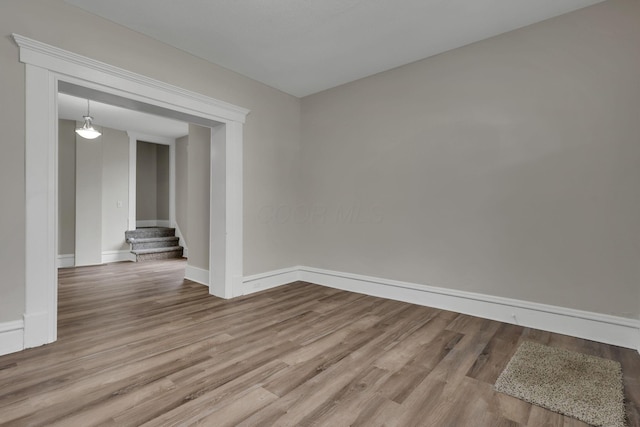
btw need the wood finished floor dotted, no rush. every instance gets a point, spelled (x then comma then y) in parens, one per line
(138, 345)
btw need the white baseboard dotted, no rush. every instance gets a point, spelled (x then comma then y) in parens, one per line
(66, 260)
(11, 337)
(198, 275)
(69, 260)
(272, 279)
(117, 256)
(620, 331)
(153, 223)
(36, 329)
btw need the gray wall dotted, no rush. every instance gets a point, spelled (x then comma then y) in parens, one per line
(162, 182)
(88, 200)
(198, 176)
(115, 188)
(104, 183)
(146, 181)
(273, 126)
(66, 187)
(509, 167)
(152, 181)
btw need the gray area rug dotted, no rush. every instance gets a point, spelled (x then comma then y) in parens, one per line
(585, 387)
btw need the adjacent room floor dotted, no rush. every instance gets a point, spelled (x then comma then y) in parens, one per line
(138, 344)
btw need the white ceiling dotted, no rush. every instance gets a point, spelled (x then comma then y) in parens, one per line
(73, 108)
(305, 46)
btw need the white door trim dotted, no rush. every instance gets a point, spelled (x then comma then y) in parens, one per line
(45, 66)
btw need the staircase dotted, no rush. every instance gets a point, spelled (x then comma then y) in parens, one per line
(154, 243)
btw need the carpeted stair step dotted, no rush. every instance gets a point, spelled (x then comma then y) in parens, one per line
(153, 242)
(149, 232)
(158, 253)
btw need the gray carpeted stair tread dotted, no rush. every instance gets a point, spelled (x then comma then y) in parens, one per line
(149, 232)
(153, 239)
(154, 243)
(157, 250)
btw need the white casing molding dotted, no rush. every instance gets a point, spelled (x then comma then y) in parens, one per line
(620, 331)
(271, 279)
(41, 182)
(133, 160)
(66, 260)
(45, 66)
(195, 274)
(225, 219)
(11, 336)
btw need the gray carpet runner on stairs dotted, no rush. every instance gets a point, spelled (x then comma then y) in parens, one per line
(154, 243)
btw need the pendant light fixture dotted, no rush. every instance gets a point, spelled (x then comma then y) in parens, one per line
(87, 131)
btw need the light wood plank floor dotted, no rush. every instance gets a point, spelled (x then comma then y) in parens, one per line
(138, 345)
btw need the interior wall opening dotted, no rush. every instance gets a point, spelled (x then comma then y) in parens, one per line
(46, 69)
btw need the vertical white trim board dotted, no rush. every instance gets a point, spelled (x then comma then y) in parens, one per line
(133, 159)
(620, 331)
(11, 337)
(271, 279)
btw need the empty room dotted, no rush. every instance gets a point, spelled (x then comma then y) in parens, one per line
(331, 213)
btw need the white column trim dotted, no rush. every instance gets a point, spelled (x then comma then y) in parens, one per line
(133, 158)
(172, 184)
(225, 253)
(41, 182)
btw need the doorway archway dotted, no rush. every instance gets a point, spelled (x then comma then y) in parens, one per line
(45, 67)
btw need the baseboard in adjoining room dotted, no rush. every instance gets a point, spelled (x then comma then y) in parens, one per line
(195, 274)
(11, 337)
(66, 260)
(69, 260)
(117, 256)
